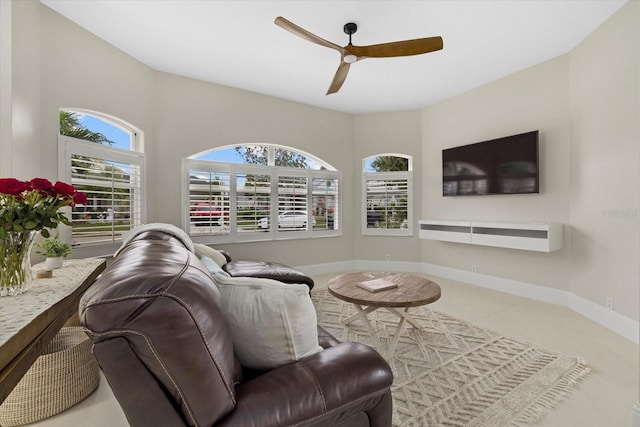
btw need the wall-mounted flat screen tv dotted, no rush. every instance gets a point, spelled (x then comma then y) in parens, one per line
(506, 165)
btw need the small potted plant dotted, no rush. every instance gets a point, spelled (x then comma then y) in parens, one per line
(55, 250)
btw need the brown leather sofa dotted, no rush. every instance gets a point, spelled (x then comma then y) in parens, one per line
(166, 349)
(267, 270)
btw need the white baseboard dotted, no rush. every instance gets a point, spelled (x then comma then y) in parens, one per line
(332, 267)
(527, 290)
(610, 319)
(603, 316)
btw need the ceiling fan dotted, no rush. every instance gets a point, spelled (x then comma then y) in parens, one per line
(350, 53)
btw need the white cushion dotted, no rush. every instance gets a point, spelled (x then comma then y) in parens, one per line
(213, 267)
(273, 323)
(204, 250)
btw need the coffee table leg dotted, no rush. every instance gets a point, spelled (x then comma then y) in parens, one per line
(360, 313)
(404, 314)
(396, 336)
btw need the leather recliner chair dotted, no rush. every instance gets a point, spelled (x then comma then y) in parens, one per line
(166, 349)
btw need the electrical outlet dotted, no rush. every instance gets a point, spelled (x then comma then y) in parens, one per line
(610, 303)
(387, 257)
(474, 268)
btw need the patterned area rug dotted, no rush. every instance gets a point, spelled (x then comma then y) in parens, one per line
(454, 373)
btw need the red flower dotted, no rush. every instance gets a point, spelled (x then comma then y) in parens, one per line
(35, 204)
(12, 186)
(64, 189)
(79, 198)
(43, 185)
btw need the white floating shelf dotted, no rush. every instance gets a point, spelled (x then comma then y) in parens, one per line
(541, 237)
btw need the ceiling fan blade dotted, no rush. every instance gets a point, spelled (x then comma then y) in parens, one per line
(339, 78)
(401, 48)
(301, 32)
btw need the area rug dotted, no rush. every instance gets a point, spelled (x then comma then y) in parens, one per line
(454, 373)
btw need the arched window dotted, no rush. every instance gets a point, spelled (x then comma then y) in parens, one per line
(387, 193)
(101, 156)
(259, 192)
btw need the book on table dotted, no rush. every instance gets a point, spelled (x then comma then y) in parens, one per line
(376, 285)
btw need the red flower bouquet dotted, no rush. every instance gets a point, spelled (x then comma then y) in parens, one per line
(35, 205)
(26, 208)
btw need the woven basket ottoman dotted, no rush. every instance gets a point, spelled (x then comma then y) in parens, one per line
(62, 376)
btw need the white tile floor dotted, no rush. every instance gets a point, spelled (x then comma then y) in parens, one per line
(604, 399)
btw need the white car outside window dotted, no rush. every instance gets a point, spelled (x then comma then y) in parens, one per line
(289, 219)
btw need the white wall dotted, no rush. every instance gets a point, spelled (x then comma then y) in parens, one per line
(394, 132)
(586, 106)
(5, 88)
(193, 116)
(536, 98)
(26, 114)
(605, 127)
(56, 64)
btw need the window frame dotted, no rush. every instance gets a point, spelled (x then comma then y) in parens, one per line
(69, 146)
(386, 176)
(234, 235)
(137, 141)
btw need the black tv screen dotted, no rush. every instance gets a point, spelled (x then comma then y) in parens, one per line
(506, 165)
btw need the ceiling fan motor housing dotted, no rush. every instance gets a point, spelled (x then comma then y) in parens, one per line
(350, 28)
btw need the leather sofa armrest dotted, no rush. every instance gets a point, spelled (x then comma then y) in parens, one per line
(226, 254)
(136, 389)
(330, 385)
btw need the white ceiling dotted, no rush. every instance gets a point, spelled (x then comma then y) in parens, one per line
(236, 43)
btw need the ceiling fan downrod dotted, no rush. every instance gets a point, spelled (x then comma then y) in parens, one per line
(350, 28)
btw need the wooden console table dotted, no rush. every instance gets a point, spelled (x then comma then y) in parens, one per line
(28, 322)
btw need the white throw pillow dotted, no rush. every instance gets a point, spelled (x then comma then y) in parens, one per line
(273, 323)
(213, 267)
(204, 250)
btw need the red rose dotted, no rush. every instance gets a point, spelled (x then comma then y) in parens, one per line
(79, 198)
(64, 189)
(43, 185)
(12, 186)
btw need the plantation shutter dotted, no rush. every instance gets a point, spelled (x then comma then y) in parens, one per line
(325, 202)
(209, 199)
(251, 202)
(293, 193)
(387, 198)
(253, 198)
(112, 179)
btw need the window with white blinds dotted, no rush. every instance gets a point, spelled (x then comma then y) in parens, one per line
(209, 200)
(240, 202)
(113, 180)
(387, 196)
(324, 201)
(253, 199)
(293, 202)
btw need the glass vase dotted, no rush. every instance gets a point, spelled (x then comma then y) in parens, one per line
(15, 262)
